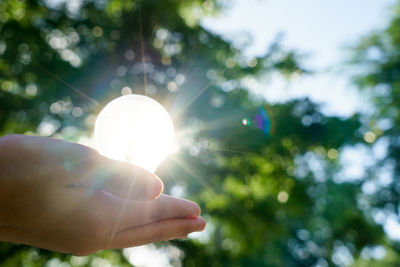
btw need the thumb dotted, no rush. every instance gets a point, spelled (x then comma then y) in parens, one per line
(125, 180)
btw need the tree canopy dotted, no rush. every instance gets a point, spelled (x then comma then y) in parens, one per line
(268, 176)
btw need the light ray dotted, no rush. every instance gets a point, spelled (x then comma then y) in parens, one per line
(233, 151)
(142, 51)
(191, 170)
(121, 212)
(77, 91)
(233, 119)
(190, 101)
(218, 124)
(232, 207)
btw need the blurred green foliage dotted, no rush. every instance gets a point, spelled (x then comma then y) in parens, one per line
(268, 177)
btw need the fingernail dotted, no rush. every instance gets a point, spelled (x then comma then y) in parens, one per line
(156, 187)
(201, 224)
(197, 209)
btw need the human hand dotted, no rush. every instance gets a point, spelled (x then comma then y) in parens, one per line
(68, 198)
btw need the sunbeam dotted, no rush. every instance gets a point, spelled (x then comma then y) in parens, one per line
(77, 91)
(198, 93)
(142, 50)
(234, 151)
(232, 119)
(120, 214)
(234, 208)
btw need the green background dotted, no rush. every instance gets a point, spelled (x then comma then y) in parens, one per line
(266, 176)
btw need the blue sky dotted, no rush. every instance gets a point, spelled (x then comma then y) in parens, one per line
(320, 29)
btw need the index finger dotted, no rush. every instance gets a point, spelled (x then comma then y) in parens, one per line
(158, 231)
(135, 213)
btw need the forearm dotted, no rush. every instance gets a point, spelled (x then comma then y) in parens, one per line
(6, 187)
(11, 153)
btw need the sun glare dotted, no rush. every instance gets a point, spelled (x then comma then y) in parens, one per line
(135, 129)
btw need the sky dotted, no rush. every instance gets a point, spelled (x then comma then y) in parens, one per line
(321, 30)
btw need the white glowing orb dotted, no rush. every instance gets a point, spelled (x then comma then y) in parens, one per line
(135, 129)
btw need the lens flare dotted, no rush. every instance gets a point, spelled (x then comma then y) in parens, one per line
(135, 129)
(262, 120)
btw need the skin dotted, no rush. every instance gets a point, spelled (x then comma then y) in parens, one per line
(68, 198)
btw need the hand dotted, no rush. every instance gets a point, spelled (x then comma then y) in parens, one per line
(68, 198)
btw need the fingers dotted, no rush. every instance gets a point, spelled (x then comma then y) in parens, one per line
(165, 207)
(79, 165)
(158, 231)
(85, 166)
(126, 180)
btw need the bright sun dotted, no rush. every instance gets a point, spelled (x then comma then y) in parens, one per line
(135, 129)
